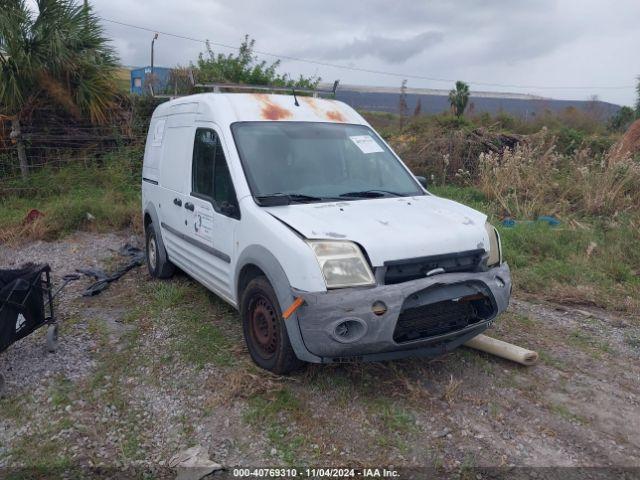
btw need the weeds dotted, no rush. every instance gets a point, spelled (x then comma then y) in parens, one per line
(568, 415)
(451, 391)
(533, 179)
(587, 261)
(393, 418)
(277, 412)
(195, 336)
(101, 195)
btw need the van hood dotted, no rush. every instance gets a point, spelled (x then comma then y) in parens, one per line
(391, 228)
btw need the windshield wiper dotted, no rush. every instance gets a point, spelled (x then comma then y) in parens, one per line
(371, 194)
(276, 199)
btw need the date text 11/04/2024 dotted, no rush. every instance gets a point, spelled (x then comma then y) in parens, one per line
(315, 473)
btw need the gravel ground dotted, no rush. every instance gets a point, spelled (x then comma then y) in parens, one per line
(27, 362)
(121, 391)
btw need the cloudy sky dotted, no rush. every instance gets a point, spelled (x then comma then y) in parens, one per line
(556, 48)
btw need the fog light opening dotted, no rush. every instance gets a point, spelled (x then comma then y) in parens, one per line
(349, 330)
(379, 308)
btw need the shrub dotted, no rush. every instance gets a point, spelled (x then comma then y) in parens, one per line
(535, 179)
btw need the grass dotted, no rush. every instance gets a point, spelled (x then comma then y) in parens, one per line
(579, 339)
(60, 392)
(197, 318)
(276, 414)
(395, 423)
(567, 414)
(13, 408)
(550, 360)
(555, 262)
(632, 339)
(102, 195)
(392, 417)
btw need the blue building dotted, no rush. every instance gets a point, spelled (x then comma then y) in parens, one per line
(141, 79)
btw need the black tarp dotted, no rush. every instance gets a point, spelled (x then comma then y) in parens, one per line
(22, 302)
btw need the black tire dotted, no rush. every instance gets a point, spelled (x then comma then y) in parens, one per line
(157, 261)
(264, 330)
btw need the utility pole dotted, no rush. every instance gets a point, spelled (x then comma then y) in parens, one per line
(151, 76)
(155, 37)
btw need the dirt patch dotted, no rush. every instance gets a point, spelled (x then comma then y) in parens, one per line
(135, 383)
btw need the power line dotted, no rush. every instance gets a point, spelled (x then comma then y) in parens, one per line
(372, 71)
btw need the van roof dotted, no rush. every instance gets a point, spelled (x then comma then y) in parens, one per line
(237, 107)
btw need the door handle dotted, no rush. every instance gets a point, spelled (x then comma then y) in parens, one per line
(189, 206)
(177, 201)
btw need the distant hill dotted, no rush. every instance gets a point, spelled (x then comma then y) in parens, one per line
(385, 99)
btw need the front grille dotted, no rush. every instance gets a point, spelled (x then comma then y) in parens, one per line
(440, 318)
(399, 271)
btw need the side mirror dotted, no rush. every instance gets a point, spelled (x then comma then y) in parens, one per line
(422, 180)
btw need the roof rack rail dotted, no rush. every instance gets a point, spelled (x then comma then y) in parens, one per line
(219, 87)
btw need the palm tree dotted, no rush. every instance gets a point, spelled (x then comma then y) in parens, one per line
(54, 56)
(459, 98)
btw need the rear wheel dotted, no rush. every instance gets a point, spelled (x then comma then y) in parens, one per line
(157, 262)
(264, 328)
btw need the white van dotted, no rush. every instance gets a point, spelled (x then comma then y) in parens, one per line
(298, 214)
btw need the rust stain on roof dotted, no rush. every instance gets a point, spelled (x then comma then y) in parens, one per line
(335, 116)
(312, 104)
(270, 110)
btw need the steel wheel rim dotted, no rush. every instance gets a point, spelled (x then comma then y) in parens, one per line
(153, 255)
(263, 326)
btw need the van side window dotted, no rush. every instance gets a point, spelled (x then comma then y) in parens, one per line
(204, 148)
(210, 173)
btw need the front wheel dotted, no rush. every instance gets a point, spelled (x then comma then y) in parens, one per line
(264, 328)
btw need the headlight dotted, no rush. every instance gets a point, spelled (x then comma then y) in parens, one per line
(342, 263)
(495, 247)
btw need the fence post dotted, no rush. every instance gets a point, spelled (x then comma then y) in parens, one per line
(16, 136)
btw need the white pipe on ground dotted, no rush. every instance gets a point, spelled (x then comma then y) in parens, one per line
(503, 349)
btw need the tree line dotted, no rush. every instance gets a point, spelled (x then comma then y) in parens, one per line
(57, 58)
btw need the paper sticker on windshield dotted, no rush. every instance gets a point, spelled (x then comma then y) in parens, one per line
(366, 144)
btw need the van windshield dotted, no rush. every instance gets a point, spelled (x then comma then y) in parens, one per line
(308, 161)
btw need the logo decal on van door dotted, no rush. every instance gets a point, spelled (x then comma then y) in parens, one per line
(203, 222)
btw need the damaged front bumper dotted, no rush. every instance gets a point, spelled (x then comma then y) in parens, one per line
(424, 317)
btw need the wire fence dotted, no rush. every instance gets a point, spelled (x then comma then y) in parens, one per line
(42, 156)
(51, 140)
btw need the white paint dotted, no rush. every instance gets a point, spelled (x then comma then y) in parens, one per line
(391, 228)
(158, 133)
